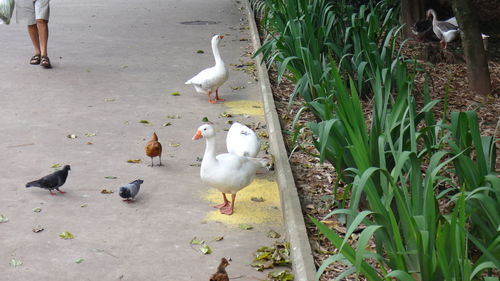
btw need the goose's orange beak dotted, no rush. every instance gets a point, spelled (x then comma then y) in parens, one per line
(221, 36)
(198, 135)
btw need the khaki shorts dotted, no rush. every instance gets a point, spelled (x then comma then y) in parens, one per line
(28, 11)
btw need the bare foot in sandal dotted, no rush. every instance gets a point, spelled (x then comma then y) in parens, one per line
(45, 62)
(35, 60)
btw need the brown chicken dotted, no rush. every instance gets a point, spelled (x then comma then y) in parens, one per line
(221, 274)
(153, 148)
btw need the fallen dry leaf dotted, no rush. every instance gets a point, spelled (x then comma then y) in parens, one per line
(3, 219)
(245, 226)
(283, 275)
(273, 234)
(15, 262)
(226, 115)
(196, 241)
(205, 249)
(38, 228)
(263, 134)
(268, 257)
(66, 235)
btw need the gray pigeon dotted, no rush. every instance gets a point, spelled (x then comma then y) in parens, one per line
(130, 190)
(52, 181)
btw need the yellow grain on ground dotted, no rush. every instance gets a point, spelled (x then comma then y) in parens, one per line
(247, 211)
(248, 107)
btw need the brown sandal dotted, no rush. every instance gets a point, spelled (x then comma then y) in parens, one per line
(35, 60)
(45, 62)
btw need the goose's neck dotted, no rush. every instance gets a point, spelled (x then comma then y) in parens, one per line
(209, 155)
(215, 50)
(434, 18)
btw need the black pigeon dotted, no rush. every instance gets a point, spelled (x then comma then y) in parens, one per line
(130, 190)
(52, 181)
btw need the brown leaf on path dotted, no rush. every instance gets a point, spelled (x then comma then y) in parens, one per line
(38, 229)
(273, 234)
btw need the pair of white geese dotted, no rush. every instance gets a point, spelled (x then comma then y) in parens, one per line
(228, 172)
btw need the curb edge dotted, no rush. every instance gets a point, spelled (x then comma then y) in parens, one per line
(302, 259)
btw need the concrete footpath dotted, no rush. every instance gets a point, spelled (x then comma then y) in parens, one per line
(115, 64)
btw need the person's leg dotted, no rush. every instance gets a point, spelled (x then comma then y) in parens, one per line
(33, 33)
(34, 36)
(25, 13)
(42, 12)
(43, 35)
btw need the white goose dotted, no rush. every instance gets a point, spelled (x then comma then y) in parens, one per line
(227, 172)
(210, 79)
(446, 31)
(454, 22)
(242, 141)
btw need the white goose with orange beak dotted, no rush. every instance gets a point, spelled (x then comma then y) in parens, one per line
(210, 79)
(228, 172)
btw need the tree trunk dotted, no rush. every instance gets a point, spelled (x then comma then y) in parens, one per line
(411, 12)
(472, 43)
